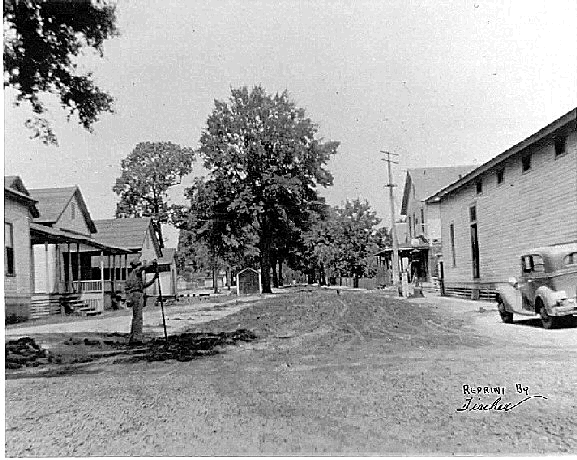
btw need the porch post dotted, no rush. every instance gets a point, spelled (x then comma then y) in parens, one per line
(102, 273)
(113, 274)
(70, 287)
(78, 267)
(47, 269)
(125, 266)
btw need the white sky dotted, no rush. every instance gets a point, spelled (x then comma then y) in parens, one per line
(439, 82)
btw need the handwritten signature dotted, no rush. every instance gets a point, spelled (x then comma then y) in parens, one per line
(496, 405)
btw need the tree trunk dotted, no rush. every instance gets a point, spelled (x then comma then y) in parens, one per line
(280, 277)
(311, 277)
(274, 273)
(228, 274)
(215, 278)
(265, 250)
(136, 300)
(322, 277)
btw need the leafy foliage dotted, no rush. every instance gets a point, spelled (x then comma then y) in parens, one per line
(147, 173)
(42, 38)
(343, 243)
(264, 166)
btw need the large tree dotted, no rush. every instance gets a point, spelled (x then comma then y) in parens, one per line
(147, 173)
(262, 154)
(42, 40)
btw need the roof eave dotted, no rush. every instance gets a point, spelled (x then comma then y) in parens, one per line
(548, 130)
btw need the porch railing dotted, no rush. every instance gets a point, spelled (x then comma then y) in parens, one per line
(88, 286)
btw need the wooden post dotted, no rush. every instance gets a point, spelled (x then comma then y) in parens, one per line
(78, 267)
(102, 274)
(70, 287)
(47, 270)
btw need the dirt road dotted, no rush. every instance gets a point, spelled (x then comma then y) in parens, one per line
(347, 373)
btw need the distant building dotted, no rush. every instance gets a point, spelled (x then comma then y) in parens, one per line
(523, 198)
(19, 210)
(138, 235)
(423, 223)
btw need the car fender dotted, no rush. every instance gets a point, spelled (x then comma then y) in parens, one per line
(549, 297)
(510, 297)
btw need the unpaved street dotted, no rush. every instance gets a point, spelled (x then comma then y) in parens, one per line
(330, 373)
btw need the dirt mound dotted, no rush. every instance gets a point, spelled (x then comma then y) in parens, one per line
(342, 316)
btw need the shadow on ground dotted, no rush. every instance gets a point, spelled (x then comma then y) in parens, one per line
(69, 354)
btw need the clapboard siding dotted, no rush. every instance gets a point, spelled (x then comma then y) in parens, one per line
(535, 208)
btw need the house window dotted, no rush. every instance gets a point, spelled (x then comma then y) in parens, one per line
(423, 220)
(560, 146)
(473, 214)
(479, 186)
(9, 249)
(72, 211)
(500, 176)
(526, 163)
(452, 236)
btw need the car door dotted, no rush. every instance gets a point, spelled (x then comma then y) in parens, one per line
(527, 285)
(533, 277)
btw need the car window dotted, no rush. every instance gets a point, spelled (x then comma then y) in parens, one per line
(538, 264)
(570, 259)
(532, 264)
(526, 264)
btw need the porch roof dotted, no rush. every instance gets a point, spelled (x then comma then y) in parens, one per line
(404, 248)
(43, 234)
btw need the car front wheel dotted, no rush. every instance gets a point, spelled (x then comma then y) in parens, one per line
(548, 322)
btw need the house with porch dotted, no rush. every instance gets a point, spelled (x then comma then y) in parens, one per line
(19, 211)
(523, 198)
(68, 260)
(140, 237)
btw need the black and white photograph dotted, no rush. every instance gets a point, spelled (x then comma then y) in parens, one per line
(290, 228)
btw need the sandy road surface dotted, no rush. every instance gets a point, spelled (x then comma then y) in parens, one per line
(354, 373)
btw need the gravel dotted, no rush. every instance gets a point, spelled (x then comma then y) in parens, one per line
(349, 373)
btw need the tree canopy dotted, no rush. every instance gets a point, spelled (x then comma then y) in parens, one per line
(343, 243)
(147, 173)
(264, 165)
(42, 39)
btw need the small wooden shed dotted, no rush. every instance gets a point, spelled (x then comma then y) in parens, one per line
(248, 282)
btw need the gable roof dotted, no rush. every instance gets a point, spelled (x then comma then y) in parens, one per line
(428, 181)
(128, 233)
(560, 125)
(53, 201)
(15, 183)
(14, 187)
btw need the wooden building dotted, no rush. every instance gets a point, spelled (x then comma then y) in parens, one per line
(423, 223)
(67, 259)
(138, 235)
(19, 210)
(523, 198)
(167, 272)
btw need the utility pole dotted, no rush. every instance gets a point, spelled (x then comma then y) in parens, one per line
(390, 185)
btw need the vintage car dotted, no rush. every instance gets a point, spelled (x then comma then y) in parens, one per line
(547, 286)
